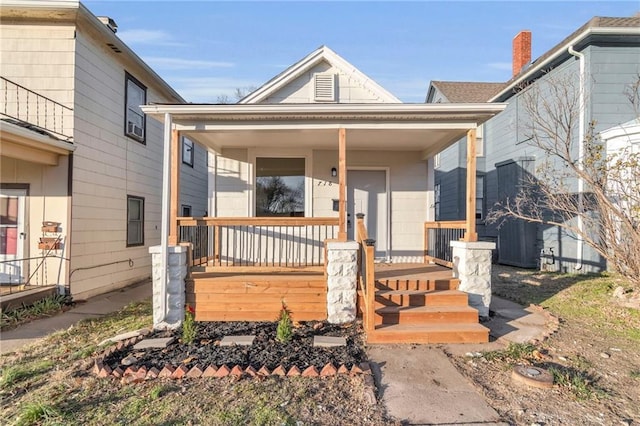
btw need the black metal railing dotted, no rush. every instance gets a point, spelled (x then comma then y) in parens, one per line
(262, 242)
(437, 240)
(19, 103)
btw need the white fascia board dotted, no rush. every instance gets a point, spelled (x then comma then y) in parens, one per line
(627, 129)
(589, 31)
(267, 125)
(35, 139)
(315, 109)
(42, 4)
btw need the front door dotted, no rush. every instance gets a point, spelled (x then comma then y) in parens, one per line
(12, 236)
(367, 193)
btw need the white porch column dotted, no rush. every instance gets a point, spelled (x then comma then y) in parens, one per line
(472, 266)
(168, 296)
(164, 224)
(342, 280)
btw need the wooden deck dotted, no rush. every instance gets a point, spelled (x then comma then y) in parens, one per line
(414, 303)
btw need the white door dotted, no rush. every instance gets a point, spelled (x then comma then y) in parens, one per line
(367, 193)
(12, 236)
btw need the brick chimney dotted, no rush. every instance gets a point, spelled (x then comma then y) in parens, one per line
(521, 51)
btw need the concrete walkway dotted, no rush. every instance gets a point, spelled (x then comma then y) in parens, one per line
(26, 334)
(420, 386)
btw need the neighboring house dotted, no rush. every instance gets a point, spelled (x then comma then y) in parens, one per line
(610, 48)
(623, 155)
(78, 152)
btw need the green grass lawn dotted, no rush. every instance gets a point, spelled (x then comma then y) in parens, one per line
(49, 383)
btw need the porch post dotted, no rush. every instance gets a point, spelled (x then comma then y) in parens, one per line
(175, 187)
(164, 223)
(470, 228)
(342, 184)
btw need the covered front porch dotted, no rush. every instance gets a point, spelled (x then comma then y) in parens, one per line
(245, 265)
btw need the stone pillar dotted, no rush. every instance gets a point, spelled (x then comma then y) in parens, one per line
(342, 279)
(174, 293)
(472, 265)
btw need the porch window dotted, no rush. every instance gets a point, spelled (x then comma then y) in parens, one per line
(187, 151)
(280, 187)
(135, 121)
(436, 200)
(135, 221)
(186, 210)
(479, 197)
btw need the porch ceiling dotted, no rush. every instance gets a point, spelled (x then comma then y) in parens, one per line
(418, 127)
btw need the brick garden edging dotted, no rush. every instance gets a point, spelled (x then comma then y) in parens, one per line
(133, 374)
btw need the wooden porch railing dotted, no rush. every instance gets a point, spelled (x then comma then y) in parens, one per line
(367, 277)
(257, 241)
(437, 239)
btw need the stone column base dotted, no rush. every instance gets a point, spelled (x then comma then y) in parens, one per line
(472, 266)
(174, 293)
(342, 279)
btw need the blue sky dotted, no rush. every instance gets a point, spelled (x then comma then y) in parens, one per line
(208, 48)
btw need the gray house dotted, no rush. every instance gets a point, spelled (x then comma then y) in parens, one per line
(602, 59)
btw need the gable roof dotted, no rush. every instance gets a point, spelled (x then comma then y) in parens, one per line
(465, 91)
(596, 27)
(323, 53)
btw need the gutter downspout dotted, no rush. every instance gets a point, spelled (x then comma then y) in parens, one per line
(581, 131)
(166, 208)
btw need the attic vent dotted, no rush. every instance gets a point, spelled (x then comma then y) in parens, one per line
(324, 88)
(114, 47)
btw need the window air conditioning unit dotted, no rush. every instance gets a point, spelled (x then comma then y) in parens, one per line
(134, 130)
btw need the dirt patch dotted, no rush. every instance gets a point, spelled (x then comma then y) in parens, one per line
(593, 356)
(265, 351)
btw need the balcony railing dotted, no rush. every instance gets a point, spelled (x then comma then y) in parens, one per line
(437, 240)
(257, 241)
(25, 105)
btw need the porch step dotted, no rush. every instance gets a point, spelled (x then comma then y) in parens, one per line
(429, 333)
(425, 315)
(421, 298)
(417, 284)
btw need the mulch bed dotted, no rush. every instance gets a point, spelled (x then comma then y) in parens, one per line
(265, 352)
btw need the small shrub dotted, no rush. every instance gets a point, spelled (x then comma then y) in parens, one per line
(189, 326)
(635, 374)
(285, 326)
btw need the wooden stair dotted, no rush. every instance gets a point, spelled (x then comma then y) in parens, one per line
(424, 311)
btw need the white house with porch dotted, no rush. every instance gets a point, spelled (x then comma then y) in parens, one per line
(319, 198)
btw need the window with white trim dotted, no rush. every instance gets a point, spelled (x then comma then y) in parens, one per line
(436, 161)
(134, 119)
(436, 200)
(480, 197)
(187, 151)
(280, 186)
(480, 141)
(135, 221)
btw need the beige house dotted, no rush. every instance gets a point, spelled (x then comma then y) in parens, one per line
(317, 162)
(78, 153)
